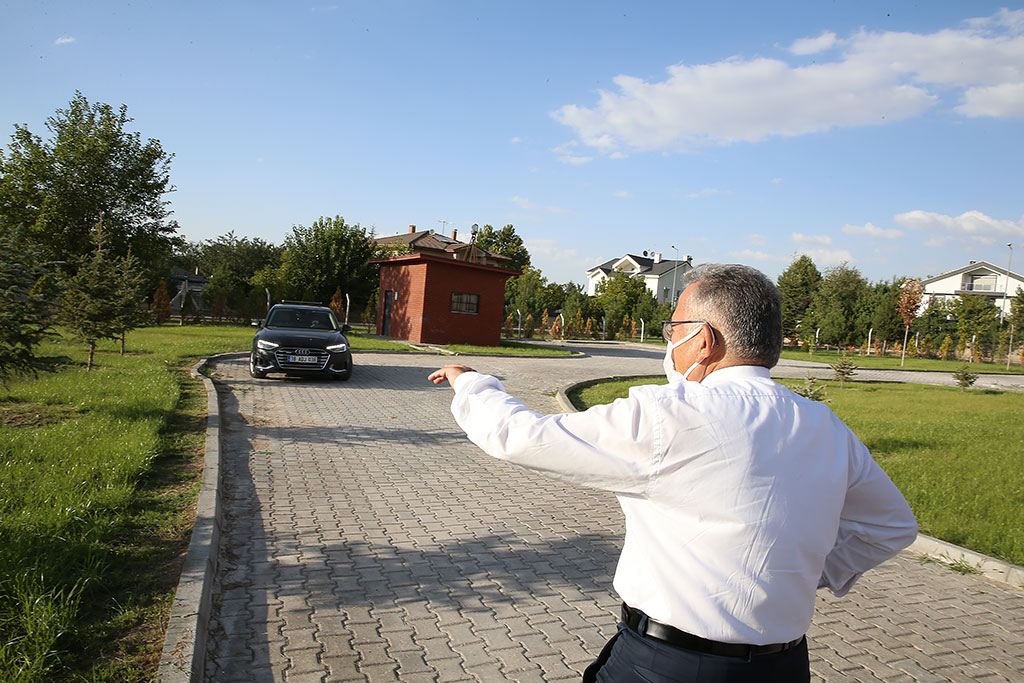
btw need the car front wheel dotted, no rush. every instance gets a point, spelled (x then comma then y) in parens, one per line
(346, 376)
(252, 367)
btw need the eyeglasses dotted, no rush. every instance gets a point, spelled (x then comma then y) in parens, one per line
(668, 325)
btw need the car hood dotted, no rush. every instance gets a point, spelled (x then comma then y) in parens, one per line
(294, 337)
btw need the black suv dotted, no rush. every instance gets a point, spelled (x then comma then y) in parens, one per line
(301, 339)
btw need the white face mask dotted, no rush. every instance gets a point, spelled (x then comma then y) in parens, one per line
(670, 366)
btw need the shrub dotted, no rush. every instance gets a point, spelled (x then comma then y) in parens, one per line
(843, 369)
(964, 377)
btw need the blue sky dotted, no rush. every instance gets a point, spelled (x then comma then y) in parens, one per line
(887, 135)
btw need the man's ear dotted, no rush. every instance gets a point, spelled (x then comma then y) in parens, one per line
(709, 346)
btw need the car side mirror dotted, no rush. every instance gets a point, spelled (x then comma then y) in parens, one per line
(346, 328)
(257, 323)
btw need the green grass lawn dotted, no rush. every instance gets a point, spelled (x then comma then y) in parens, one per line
(957, 456)
(893, 362)
(508, 348)
(98, 473)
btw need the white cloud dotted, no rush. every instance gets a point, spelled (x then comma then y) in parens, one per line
(706, 192)
(801, 238)
(524, 203)
(621, 194)
(970, 226)
(567, 155)
(812, 46)
(753, 255)
(871, 230)
(876, 78)
(64, 40)
(776, 181)
(516, 140)
(828, 257)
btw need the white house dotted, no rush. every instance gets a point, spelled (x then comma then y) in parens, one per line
(977, 277)
(663, 277)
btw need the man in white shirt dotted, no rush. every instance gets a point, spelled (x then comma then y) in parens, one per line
(741, 498)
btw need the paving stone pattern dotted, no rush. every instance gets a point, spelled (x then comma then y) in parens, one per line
(367, 540)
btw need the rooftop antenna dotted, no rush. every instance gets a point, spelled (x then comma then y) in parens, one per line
(444, 225)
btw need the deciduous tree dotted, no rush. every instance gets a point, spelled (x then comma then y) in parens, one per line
(909, 302)
(505, 242)
(326, 255)
(90, 167)
(834, 306)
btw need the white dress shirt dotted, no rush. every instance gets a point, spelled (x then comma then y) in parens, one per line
(741, 498)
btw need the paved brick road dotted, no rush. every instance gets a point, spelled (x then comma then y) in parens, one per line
(367, 540)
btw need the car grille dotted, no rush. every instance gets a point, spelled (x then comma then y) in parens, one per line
(283, 354)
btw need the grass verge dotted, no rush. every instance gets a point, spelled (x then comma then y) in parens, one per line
(508, 348)
(893, 362)
(99, 475)
(955, 455)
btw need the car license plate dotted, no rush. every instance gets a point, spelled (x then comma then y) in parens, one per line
(302, 359)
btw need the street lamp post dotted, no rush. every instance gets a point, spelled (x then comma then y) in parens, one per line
(675, 268)
(1006, 288)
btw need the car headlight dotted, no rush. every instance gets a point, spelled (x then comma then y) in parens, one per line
(338, 348)
(266, 345)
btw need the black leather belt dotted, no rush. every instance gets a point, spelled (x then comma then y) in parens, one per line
(640, 623)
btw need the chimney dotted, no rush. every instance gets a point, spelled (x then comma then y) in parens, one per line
(455, 235)
(657, 256)
(412, 229)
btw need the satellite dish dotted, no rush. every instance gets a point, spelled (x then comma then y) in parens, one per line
(645, 253)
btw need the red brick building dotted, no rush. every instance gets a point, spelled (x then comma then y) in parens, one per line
(440, 300)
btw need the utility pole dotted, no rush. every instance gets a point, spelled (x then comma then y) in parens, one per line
(1006, 288)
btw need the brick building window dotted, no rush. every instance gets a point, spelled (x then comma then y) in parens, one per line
(465, 303)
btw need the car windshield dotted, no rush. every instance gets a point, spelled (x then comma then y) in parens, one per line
(302, 319)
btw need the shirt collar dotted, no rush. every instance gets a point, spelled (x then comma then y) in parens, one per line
(735, 373)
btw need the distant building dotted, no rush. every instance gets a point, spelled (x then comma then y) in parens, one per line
(193, 284)
(662, 277)
(431, 243)
(977, 277)
(445, 292)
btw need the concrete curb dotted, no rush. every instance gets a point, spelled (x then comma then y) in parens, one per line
(949, 554)
(184, 652)
(940, 551)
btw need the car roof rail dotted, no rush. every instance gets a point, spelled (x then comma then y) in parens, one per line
(302, 303)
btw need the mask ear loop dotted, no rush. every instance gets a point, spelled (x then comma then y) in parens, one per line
(714, 341)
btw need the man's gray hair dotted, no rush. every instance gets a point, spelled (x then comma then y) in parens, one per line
(744, 305)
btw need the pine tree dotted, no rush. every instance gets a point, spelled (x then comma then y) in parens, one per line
(843, 369)
(545, 321)
(338, 304)
(131, 288)
(556, 327)
(588, 331)
(927, 348)
(161, 304)
(945, 347)
(510, 326)
(1002, 351)
(528, 326)
(89, 306)
(26, 312)
(370, 312)
(964, 377)
(220, 305)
